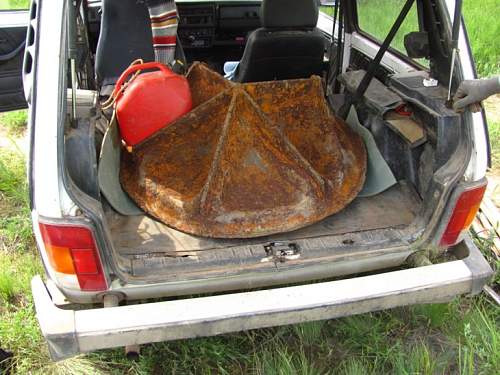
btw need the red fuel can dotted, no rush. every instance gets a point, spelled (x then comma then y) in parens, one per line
(150, 102)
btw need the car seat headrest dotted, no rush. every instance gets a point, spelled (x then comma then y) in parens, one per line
(289, 13)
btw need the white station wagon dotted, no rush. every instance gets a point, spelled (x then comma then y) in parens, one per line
(405, 242)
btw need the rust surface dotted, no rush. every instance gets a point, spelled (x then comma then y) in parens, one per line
(249, 160)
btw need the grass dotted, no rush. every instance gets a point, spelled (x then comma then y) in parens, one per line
(15, 223)
(483, 29)
(494, 132)
(377, 16)
(14, 122)
(14, 4)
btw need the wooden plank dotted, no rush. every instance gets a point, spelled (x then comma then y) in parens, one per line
(479, 229)
(488, 229)
(142, 234)
(408, 129)
(491, 212)
(489, 218)
(483, 220)
(496, 247)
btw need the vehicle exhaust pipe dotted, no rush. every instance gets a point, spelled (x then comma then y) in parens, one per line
(132, 352)
(110, 300)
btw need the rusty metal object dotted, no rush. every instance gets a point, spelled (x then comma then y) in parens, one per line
(249, 160)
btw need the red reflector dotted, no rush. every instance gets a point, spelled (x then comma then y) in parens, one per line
(72, 250)
(463, 214)
(84, 261)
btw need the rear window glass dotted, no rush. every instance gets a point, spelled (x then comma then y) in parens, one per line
(376, 17)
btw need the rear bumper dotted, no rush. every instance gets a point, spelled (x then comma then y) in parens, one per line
(70, 332)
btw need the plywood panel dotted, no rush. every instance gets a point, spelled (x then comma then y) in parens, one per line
(398, 206)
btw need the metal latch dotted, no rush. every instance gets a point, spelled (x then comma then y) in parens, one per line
(281, 251)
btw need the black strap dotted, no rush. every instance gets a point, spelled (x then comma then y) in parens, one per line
(340, 49)
(331, 68)
(456, 23)
(365, 82)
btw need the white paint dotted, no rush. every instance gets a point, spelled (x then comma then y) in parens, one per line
(347, 52)
(478, 164)
(14, 18)
(46, 179)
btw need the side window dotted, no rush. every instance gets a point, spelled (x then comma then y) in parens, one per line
(14, 4)
(376, 17)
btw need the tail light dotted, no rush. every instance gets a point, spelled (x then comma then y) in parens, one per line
(463, 214)
(72, 250)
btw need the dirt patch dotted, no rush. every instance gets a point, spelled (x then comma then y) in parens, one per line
(493, 190)
(492, 107)
(13, 143)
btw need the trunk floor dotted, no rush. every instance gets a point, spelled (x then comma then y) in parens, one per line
(141, 235)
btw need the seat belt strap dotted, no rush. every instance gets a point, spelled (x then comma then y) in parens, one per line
(374, 64)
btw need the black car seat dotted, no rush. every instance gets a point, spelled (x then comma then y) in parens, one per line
(125, 36)
(287, 46)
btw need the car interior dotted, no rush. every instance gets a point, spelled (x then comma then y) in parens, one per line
(279, 40)
(282, 43)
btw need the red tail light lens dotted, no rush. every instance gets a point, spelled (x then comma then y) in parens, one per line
(72, 250)
(463, 214)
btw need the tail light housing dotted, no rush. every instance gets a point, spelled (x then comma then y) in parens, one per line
(72, 250)
(464, 212)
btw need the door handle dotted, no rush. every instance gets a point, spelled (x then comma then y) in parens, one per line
(13, 53)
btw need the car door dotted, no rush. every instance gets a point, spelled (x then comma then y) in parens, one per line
(13, 28)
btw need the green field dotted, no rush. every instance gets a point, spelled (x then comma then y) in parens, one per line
(376, 18)
(494, 132)
(483, 28)
(461, 337)
(14, 4)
